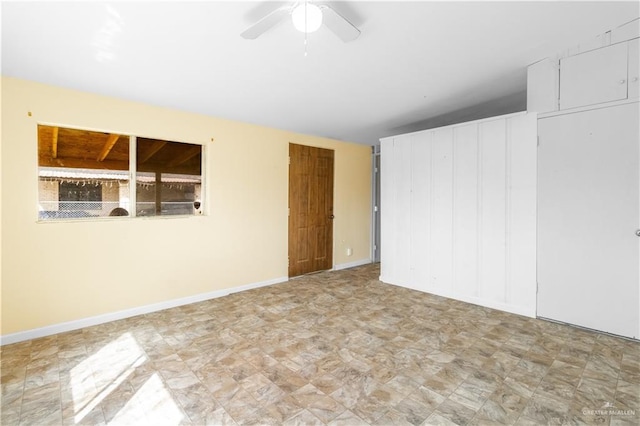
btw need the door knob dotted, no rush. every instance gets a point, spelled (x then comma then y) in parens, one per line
(638, 233)
(332, 216)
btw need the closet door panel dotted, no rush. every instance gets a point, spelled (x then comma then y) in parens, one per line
(441, 247)
(420, 209)
(521, 212)
(492, 210)
(465, 210)
(402, 205)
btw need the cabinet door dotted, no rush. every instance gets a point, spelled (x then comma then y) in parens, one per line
(594, 77)
(634, 66)
(588, 213)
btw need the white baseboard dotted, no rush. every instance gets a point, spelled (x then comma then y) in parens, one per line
(351, 264)
(127, 313)
(487, 303)
(501, 306)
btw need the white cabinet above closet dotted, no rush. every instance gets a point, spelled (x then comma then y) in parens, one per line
(588, 75)
(594, 77)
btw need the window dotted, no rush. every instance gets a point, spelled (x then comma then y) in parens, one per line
(169, 177)
(85, 174)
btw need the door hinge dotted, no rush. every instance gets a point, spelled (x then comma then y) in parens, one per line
(538, 140)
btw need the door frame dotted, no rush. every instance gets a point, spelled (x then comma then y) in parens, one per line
(374, 254)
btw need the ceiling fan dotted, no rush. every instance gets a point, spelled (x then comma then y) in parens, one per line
(307, 17)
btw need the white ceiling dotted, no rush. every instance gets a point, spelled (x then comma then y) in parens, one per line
(415, 63)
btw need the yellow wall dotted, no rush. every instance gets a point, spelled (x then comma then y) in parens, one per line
(66, 271)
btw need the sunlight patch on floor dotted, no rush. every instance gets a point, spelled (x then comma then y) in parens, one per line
(152, 404)
(96, 377)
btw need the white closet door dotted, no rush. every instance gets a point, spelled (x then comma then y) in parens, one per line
(420, 209)
(521, 212)
(395, 210)
(465, 210)
(588, 213)
(441, 204)
(402, 205)
(493, 191)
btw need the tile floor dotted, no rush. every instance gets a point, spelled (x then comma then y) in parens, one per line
(336, 348)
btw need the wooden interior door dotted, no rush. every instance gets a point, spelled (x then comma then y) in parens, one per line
(310, 209)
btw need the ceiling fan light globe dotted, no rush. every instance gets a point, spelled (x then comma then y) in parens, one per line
(313, 16)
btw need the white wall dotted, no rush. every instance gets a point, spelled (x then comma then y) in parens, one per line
(459, 212)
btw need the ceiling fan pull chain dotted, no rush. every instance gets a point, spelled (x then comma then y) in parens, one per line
(305, 27)
(305, 44)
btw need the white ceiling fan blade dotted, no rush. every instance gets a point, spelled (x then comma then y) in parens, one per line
(266, 23)
(337, 23)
